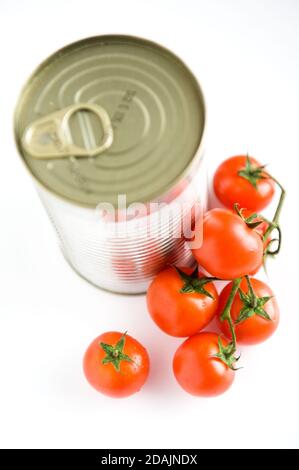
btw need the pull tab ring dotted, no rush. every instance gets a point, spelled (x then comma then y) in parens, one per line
(48, 137)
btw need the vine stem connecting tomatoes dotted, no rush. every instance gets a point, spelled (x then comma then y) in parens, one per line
(275, 221)
(227, 354)
(253, 173)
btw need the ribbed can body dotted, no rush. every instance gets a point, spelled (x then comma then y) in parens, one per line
(124, 256)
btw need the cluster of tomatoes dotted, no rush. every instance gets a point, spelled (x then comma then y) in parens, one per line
(183, 301)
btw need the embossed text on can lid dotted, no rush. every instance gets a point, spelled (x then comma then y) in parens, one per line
(110, 115)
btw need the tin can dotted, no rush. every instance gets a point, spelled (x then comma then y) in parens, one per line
(111, 128)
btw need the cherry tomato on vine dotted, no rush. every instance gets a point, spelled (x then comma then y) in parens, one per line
(182, 301)
(197, 368)
(255, 315)
(230, 249)
(242, 179)
(116, 364)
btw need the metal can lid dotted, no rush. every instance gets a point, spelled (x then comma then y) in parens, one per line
(110, 115)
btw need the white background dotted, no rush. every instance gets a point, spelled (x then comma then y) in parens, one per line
(246, 55)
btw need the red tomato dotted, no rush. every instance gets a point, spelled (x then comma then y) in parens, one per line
(251, 189)
(255, 328)
(181, 313)
(197, 369)
(230, 249)
(116, 364)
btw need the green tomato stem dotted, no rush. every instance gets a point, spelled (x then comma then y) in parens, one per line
(226, 314)
(281, 200)
(275, 220)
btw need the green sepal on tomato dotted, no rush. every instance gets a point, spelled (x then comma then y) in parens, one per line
(182, 301)
(254, 312)
(116, 364)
